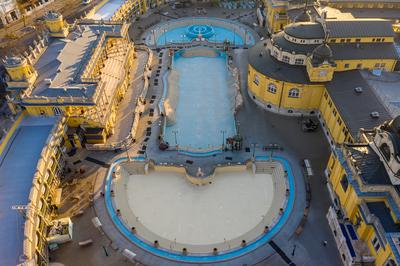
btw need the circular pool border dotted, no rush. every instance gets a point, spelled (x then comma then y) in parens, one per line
(226, 256)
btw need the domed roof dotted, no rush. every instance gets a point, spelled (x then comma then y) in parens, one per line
(395, 125)
(323, 50)
(13, 61)
(303, 16)
(52, 15)
(305, 30)
(321, 53)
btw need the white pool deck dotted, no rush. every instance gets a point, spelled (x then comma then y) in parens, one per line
(165, 206)
(107, 10)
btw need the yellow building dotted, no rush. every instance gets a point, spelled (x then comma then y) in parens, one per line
(32, 164)
(363, 180)
(276, 14)
(289, 72)
(83, 76)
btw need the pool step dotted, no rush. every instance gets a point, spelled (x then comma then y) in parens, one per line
(267, 167)
(134, 168)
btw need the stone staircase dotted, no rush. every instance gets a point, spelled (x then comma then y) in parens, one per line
(134, 168)
(267, 167)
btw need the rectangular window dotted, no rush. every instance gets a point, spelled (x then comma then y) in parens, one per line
(272, 88)
(376, 244)
(378, 40)
(344, 182)
(348, 40)
(299, 61)
(373, 39)
(359, 66)
(346, 65)
(285, 59)
(256, 80)
(342, 40)
(334, 112)
(57, 111)
(294, 93)
(333, 40)
(358, 40)
(383, 39)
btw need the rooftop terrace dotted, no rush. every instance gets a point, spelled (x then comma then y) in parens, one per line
(17, 167)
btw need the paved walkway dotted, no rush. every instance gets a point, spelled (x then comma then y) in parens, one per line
(126, 108)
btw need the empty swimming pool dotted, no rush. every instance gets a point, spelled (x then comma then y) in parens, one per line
(201, 110)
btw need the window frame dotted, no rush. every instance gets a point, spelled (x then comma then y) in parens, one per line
(294, 93)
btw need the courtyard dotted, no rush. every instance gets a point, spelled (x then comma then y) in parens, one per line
(165, 194)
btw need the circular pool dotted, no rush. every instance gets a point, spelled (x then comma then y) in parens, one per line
(206, 29)
(203, 31)
(233, 212)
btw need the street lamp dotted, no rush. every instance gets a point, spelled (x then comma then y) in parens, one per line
(237, 128)
(127, 153)
(154, 37)
(176, 140)
(254, 145)
(223, 138)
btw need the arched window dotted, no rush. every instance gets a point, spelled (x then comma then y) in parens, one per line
(294, 93)
(272, 88)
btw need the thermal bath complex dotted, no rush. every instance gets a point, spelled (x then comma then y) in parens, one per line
(173, 213)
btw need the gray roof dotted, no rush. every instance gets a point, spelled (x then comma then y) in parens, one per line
(341, 50)
(17, 166)
(305, 30)
(382, 212)
(269, 66)
(385, 13)
(372, 170)
(355, 108)
(364, 51)
(64, 60)
(280, 41)
(359, 28)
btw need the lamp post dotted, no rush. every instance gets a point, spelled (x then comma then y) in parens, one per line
(127, 153)
(154, 37)
(237, 128)
(223, 139)
(254, 145)
(176, 139)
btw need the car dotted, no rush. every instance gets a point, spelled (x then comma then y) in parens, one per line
(309, 125)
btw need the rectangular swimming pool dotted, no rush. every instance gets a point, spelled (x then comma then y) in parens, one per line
(204, 112)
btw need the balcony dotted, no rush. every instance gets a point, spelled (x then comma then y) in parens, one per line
(353, 251)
